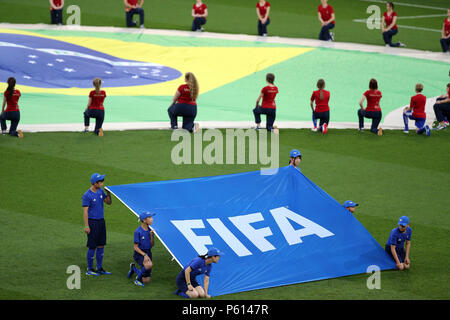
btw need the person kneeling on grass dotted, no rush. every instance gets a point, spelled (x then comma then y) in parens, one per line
(188, 286)
(95, 108)
(143, 243)
(442, 109)
(395, 245)
(416, 111)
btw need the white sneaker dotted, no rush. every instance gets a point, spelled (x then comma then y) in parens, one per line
(405, 131)
(196, 127)
(314, 129)
(402, 45)
(332, 36)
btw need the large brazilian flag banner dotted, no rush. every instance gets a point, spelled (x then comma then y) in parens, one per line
(141, 71)
(275, 230)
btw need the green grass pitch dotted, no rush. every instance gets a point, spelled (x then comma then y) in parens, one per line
(288, 18)
(44, 176)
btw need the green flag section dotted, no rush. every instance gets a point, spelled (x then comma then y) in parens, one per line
(141, 72)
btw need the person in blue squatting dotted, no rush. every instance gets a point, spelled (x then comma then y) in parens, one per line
(188, 287)
(295, 157)
(143, 242)
(395, 245)
(94, 223)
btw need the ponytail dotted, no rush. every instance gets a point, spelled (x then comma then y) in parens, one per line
(320, 86)
(11, 86)
(97, 83)
(193, 85)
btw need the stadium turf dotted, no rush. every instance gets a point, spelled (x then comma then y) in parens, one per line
(419, 22)
(44, 176)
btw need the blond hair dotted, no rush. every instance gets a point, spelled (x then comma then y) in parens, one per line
(193, 84)
(97, 83)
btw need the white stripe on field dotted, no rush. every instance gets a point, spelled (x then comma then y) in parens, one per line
(403, 26)
(408, 5)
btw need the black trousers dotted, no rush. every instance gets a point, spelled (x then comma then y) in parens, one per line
(442, 110)
(270, 116)
(187, 111)
(99, 116)
(374, 115)
(324, 117)
(14, 117)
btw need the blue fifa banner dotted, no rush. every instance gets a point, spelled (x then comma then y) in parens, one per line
(275, 229)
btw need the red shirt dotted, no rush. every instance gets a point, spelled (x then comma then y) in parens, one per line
(131, 3)
(11, 103)
(321, 105)
(447, 26)
(185, 96)
(389, 18)
(269, 94)
(325, 13)
(418, 106)
(56, 3)
(97, 99)
(373, 100)
(199, 10)
(263, 8)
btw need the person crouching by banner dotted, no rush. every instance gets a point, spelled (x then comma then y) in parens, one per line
(10, 99)
(95, 108)
(143, 243)
(350, 206)
(188, 287)
(184, 104)
(395, 245)
(295, 158)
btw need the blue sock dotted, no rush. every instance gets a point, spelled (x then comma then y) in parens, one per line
(314, 120)
(90, 258)
(99, 257)
(405, 120)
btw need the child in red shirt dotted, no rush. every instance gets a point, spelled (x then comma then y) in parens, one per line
(95, 108)
(199, 12)
(12, 113)
(416, 111)
(268, 106)
(373, 110)
(322, 110)
(327, 20)
(262, 11)
(445, 40)
(389, 26)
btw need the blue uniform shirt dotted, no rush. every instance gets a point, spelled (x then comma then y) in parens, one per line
(142, 238)
(398, 238)
(94, 202)
(198, 266)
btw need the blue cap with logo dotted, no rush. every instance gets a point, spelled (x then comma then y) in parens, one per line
(295, 153)
(404, 221)
(214, 252)
(350, 203)
(145, 215)
(96, 177)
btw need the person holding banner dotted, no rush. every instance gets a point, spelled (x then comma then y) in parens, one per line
(295, 158)
(94, 223)
(184, 104)
(188, 287)
(322, 110)
(395, 245)
(350, 206)
(143, 243)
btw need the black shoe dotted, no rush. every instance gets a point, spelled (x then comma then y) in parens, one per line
(102, 271)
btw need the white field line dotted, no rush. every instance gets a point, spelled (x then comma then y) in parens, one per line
(408, 5)
(403, 26)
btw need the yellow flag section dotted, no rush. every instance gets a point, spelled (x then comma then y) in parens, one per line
(213, 66)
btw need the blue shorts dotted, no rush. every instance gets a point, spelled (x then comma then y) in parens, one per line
(139, 258)
(97, 236)
(181, 282)
(419, 122)
(401, 254)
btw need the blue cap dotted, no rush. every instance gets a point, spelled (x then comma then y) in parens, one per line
(97, 177)
(145, 215)
(214, 252)
(350, 203)
(404, 221)
(295, 153)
